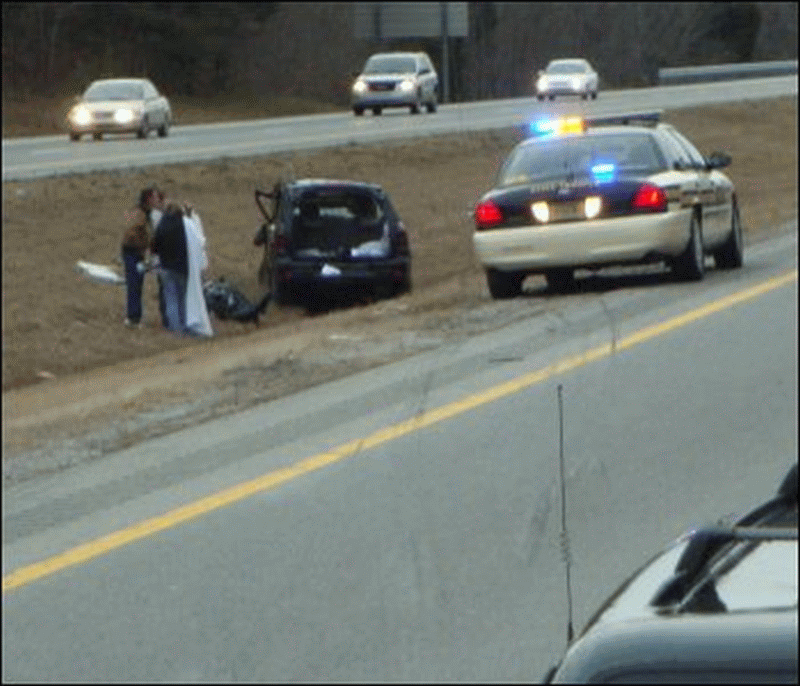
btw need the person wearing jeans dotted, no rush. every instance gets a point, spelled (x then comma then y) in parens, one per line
(134, 280)
(135, 242)
(169, 244)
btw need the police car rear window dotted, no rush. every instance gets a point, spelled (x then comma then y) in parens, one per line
(573, 158)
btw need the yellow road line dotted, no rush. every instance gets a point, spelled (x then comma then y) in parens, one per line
(117, 539)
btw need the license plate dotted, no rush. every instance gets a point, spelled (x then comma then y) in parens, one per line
(565, 211)
(381, 86)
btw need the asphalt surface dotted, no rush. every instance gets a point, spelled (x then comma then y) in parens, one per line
(26, 158)
(426, 548)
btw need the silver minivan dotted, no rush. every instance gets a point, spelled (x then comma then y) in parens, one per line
(396, 79)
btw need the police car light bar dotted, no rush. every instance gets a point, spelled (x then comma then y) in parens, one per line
(645, 118)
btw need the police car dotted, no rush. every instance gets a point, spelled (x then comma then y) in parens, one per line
(588, 193)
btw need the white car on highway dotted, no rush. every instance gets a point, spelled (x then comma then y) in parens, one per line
(567, 77)
(120, 106)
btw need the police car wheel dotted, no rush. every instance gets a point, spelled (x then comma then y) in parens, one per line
(560, 280)
(690, 264)
(730, 255)
(504, 285)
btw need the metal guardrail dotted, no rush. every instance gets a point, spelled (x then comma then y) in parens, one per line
(722, 72)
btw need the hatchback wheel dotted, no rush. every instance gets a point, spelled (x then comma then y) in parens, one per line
(560, 279)
(74, 136)
(358, 111)
(97, 136)
(163, 130)
(431, 106)
(376, 110)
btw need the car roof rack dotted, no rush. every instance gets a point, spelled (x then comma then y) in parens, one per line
(643, 118)
(708, 541)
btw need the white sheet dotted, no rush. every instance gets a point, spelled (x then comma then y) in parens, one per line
(197, 319)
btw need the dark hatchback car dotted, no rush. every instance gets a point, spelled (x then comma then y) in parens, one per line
(717, 606)
(327, 239)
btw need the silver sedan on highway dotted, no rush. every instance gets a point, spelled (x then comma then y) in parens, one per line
(120, 106)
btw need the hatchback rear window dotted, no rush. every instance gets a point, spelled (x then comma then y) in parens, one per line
(324, 222)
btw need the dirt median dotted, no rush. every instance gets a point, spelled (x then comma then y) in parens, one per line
(71, 370)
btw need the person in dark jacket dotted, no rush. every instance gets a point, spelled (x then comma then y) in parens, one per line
(135, 243)
(169, 244)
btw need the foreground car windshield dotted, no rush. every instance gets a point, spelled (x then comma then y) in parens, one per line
(574, 157)
(114, 91)
(390, 65)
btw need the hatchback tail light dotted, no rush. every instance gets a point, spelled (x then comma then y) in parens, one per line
(649, 198)
(487, 215)
(399, 242)
(281, 245)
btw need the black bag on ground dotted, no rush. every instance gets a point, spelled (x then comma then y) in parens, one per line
(227, 302)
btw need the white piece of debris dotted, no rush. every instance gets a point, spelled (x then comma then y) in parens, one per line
(99, 273)
(330, 270)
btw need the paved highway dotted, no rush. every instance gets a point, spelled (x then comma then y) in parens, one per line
(403, 524)
(27, 158)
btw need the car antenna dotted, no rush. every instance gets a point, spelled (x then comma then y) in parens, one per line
(565, 552)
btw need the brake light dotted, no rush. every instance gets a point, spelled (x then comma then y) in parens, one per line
(487, 214)
(649, 198)
(399, 241)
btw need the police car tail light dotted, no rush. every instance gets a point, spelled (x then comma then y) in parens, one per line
(487, 215)
(281, 245)
(649, 198)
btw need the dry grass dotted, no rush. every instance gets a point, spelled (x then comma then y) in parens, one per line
(56, 322)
